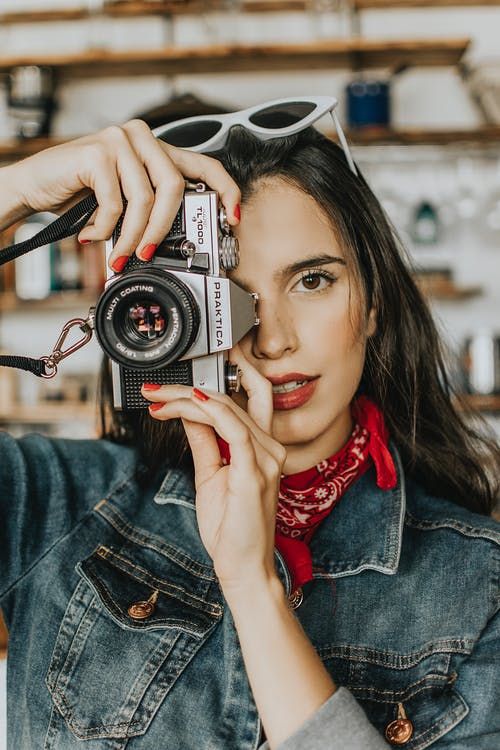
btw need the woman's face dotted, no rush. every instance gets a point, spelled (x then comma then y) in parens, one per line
(310, 325)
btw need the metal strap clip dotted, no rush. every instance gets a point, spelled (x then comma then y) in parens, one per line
(58, 353)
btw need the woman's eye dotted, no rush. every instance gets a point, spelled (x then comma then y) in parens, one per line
(313, 280)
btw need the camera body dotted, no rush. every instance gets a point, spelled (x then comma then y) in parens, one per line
(174, 318)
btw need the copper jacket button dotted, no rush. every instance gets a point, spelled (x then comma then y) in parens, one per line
(141, 610)
(399, 731)
(295, 599)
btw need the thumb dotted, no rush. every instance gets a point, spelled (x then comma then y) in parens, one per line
(258, 389)
(203, 444)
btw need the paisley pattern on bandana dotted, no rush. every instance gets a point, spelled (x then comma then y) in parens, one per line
(301, 510)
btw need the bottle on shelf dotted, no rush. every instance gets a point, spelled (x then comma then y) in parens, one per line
(60, 266)
(424, 229)
(34, 270)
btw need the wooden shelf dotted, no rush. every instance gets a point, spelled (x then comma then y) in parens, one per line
(445, 290)
(50, 413)
(68, 301)
(483, 135)
(151, 8)
(190, 7)
(384, 4)
(335, 53)
(485, 403)
(457, 294)
(18, 149)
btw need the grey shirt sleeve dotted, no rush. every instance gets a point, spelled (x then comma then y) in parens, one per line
(339, 724)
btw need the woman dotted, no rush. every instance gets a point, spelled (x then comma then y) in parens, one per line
(314, 557)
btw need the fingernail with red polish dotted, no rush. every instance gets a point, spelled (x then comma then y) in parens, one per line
(119, 264)
(199, 394)
(237, 212)
(151, 386)
(148, 251)
(157, 406)
(84, 242)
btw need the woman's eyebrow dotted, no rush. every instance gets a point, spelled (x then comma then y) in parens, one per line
(313, 260)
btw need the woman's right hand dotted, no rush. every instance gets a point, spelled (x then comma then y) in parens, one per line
(119, 162)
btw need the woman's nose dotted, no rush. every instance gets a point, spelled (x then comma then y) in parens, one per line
(275, 335)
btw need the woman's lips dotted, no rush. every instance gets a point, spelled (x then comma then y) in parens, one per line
(295, 398)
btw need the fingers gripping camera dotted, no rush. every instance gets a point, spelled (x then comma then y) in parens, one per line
(174, 318)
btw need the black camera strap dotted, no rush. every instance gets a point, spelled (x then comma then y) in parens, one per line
(65, 226)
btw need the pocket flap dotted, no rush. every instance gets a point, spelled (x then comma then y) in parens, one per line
(120, 583)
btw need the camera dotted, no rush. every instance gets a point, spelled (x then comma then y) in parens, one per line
(174, 318)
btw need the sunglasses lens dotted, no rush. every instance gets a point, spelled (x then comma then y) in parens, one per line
(282, 115)
(191, 134)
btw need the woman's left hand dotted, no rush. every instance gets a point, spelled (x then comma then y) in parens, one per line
(235, 504)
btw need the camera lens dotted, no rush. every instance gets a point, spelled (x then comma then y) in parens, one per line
(147, 319)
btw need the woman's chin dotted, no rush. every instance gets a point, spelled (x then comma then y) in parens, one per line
(293, 426)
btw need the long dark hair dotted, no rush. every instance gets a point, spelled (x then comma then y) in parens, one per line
(405, 371)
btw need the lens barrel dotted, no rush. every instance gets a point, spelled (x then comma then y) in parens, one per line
(146, 319)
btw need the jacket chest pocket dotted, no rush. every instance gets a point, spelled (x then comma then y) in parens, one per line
(125, 638)
(385, 682)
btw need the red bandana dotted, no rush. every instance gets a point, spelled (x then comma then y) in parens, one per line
(306, 498)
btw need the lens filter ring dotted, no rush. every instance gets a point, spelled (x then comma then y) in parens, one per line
(147, 319)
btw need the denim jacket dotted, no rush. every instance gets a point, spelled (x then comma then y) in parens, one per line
(120, 636)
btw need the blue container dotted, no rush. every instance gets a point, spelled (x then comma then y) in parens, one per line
(368, 104)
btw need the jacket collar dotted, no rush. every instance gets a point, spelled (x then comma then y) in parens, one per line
(364, 531)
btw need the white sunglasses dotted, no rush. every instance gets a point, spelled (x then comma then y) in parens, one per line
(272, 119)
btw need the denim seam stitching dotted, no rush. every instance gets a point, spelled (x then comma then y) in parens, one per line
(459, 645)
(121, 525)
(76, 601)
(168, 551)
(227, 724)
(97, 732)
(434, 732)
(472, 532)
(343, 573)
(495, 583)
(432, 679)
(91, 732)
(164, 500)
(397, 539)
(75, 648)
(171, 479)
(216, 608)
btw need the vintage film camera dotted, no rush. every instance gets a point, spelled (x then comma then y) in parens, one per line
(173, 319)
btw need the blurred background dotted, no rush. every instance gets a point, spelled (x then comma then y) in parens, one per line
(418, 84)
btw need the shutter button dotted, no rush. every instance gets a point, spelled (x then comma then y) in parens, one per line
(295, 599)
(143, 609)
(399, 731)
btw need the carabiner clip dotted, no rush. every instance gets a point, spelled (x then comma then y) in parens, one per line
(58, 353)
